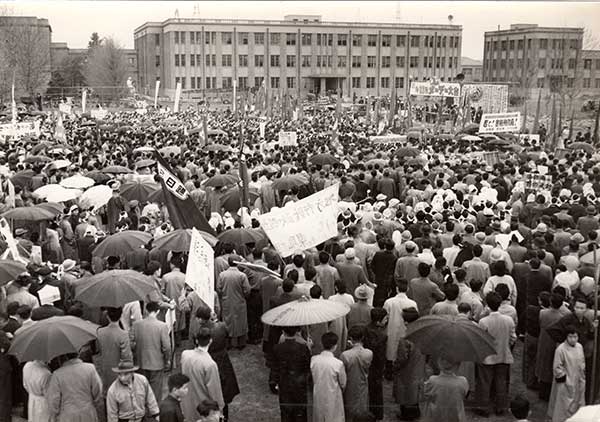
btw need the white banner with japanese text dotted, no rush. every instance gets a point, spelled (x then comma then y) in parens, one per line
(500, 122)
(200, 273)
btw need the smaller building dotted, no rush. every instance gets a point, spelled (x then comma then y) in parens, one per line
(472, 69)
(590, 73)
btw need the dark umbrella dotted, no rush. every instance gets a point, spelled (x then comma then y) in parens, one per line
(156, 196)
(138, 189)
(407, 152)
(323, 160)
(37, 159)
(121, 243)
(179, 240)
(53, 207)
(231, 199)
(582, 146)
(240, 237)
(290, 181)
(98, 177)
(220, 180)
(116, 170)
(9, 270)
(22, 178)
(29, 214)
(113, 288)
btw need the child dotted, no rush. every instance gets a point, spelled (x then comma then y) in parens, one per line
(170, 408)
(519, 407)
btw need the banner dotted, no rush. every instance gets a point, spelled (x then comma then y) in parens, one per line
(177, 97)
(98, 113)
(20, 129)
(200, 273)
(537, 182)
(491, 158)
(500, 122)
(303, 224)
(83, 100)
(435, 89)
(156, 88)
(388, 139)
(9, 239)
(491, 98)
(288, 139)
(262, 126)
(64, 108)
(141, 111)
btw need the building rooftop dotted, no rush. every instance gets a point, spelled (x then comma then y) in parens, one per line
(467, 61)
(526, 27)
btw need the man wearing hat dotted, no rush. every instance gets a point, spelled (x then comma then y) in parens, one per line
(360, 311)
(130, 397)
(589, 222)
(115, 206)
(352, 273)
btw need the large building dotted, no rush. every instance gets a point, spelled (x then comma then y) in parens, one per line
(590, 71)
(301, 53)
(471, 69)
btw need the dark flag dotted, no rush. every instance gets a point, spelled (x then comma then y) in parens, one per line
(183, 212)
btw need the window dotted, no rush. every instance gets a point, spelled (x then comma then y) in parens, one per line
(414, 61)
(326, 61)
(192, 41)
(400, 82)
(242, 82)
(214, 62)
(443, 62)
(597, 64)
(444, 42)
(182, 59)
(210, 38)
(371, 61)
(157, 61)
(176, 37)
(495, 45)
(572, 63)
(275, 38)
(510, 63)
(243, 60)
(176, 60)
(290, 61)
(259, 38)
(198, 61)
(542, 63)
(290, 82)
(438, 42)
(414, 40)
(318, 39)
(306, 61)
(182, 40)
(503, 45)
(543, 44)
(192, 60)
(370, 82)
(198, 41)
(450, 62)
(385, 61)
(456, 40)
(570, 82)
(597, 83)
(198, 82)
(587, 83)
(258, 81)
(243, 38)
(356, 40)
(372, 41)
(385, 82)
(529, 43)
(157, 39)
(226, 38)
(511, 44)
(356, 82)
(587, 64)
(503, 63)
(274, 82)
(437, 62)
(306, 39)
(520, 44)
(192, 80)
(259, 60)
(210, 85)
(356, 61)
(318, 61)
(226, 60)
(290, 39)
(574, 44)
(226, 82)
(386, 40)
(177, 80)
(341, 61)
(400, 40)
(342, 40)
(183, 83)
(274, 60)
(207, 60)
(399, 61)
(329, 39)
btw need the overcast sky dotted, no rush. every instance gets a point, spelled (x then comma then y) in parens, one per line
(74, 21)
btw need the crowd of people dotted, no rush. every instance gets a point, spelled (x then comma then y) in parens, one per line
(436, 232)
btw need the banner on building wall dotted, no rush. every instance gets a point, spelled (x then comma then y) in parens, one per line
(177, 97)
(500, 122)
(491, 98)
(435, 89)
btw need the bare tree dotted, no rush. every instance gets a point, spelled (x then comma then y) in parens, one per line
(106, 69)
(590, 40)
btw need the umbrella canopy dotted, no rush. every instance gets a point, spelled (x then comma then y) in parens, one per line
(37, 159)
(144, 149)
(408, 152)
(498, 142)
(116, 170)
(44, 191)
(323, 159)
(588, 258)
(77, 182)
(42, 146)
(98, 176)
(179, 240)
(95, 197)
(582, 146)
(239, 237)
(470, 138)
(144, 163)
(22, 178)
(28, 214)
(58, 164)
(456, 339)
(173, 149)
(305, 311)
(52, 337)
(60, 151)
(119, 244)
(138, 189)
(113, 288)
(156, 196)
(215, 132)
(64, 195)
(231, 199)
(9, 270)
(53, 207)
(220, 180)
(258, 268)
(290, 181)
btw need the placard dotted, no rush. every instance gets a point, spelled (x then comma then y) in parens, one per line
(8, 130)
(65, 108)
(141, 111)
(491, 98)
(200, 273)
(288, 139)
(177, 97)
(435, 89)
(48, 294)
(537, 182)
(500, 122)
(387, 139)
(303, 224)
(98, 113)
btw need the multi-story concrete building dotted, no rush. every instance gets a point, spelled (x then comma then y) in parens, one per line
(471, 69)
(590, 71)
(301, 53)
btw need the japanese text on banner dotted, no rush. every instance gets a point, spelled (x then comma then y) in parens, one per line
(200, 273)
(303, 224)
(435, 89)
(500, 122)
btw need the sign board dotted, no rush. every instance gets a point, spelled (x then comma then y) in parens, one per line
(98, 113)
(48, 294)
(303, 224)
(435, 89)
(8, 130)
(141, 111)
(388, 139)
(156, 88)
(500, 122)
(537, 182)
(529, 137)
(561, 153)
(177, 97)
(288, 139)
(262, 126)
(200, 273)
(491, 158)
(491, 98)
(65, 108)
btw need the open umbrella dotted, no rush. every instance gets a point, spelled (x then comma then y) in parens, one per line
(28, 214)
(456, 339)
(156, 196)
(77, 182)
(220, 180)
(95, 197)
(113, 288)
(53, 207)
(257, 268)
(305, 311)
(231, 199)
(138, 189)
(37, 159)
(290, 181)
(172, 149)
(144, 149)
(116, 170)
(323, 159)
(378, 161)
(582, 146)
(179, 240)
(52, 337)
(42, 146)
(120, 243)
(215, 132)
(239, 237)
(64, 195)
(98, 176)
(44, 191)
(408, 152)
(470, 138)
(58, 164)
(9, 270)
(144, 163)
(22, 178)
(60, 150)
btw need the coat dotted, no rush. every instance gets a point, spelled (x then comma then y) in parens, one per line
(375, 340)
(36, 376)
(396, 328)
(205, 383)
(409, 373)
(233, 287)
(445, 394)
(151, 343)
(7, 377)
(291, 371)
(329, 380)
(357, 361)
(546, 345)
(113, 346)
(569, 361)
(74, 391)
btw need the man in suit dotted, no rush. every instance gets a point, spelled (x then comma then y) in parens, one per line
(376, 340)
(351, 272)
(152, 346)
(113, 347)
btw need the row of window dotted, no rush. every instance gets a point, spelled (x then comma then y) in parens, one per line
(587, 82)
(306, 61)
(587, 63)
(543, 43)
(290, 82)
(542, 63)
(195, 37)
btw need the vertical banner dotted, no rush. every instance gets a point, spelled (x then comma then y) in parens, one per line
(156, 88)
(205, 128)
(262, 126)
(177, 97)
(234, 99)
(83, 100)
(200, 273)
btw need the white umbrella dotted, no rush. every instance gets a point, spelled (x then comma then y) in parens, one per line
(305, 311)
(144, 149)
(58, 164)
(77, 182)
(44, 191)
(586, 414)
(471, 138)
(64, 195)
(95, 197)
